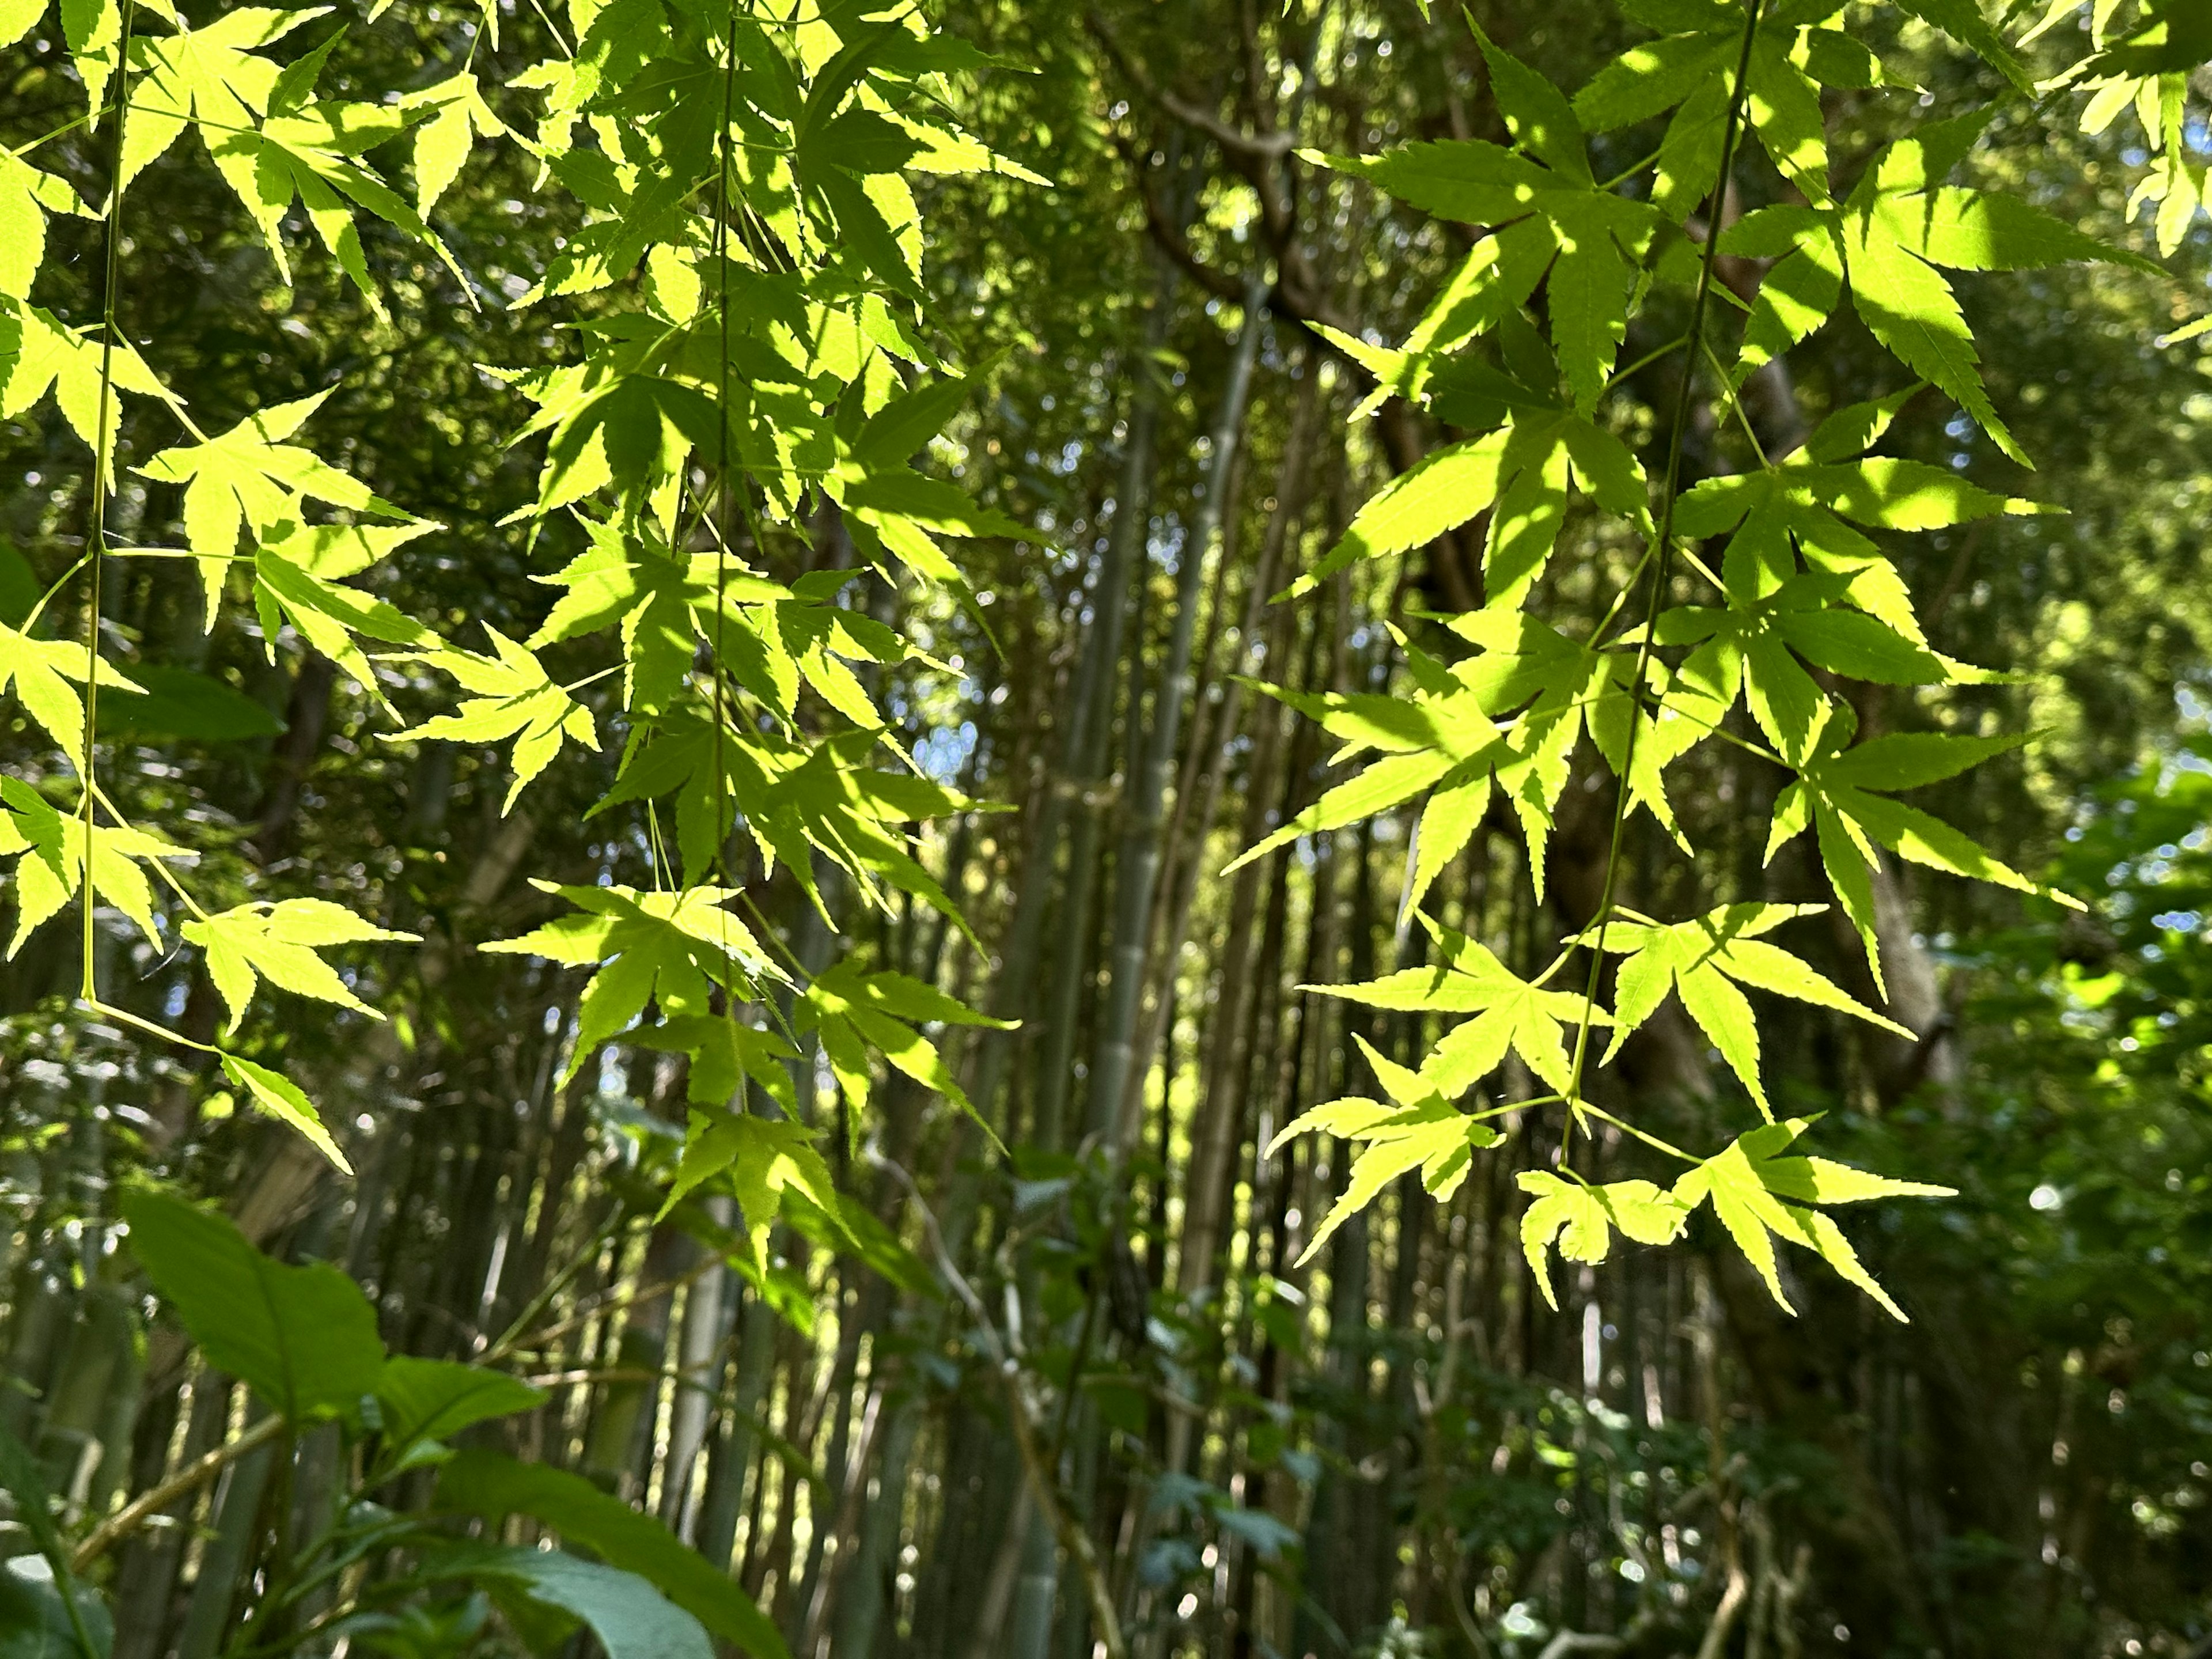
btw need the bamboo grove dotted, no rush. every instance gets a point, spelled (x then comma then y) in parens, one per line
(854, 829)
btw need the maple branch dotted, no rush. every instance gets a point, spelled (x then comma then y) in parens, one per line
(1252, 146)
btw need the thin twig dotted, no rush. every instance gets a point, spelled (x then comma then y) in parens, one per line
(96, 537)
(1020, 1413)
(128, 1519)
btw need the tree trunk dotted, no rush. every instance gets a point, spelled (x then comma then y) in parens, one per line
(1136, 868)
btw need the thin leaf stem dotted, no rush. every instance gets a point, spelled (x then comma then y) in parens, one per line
(663, 872)
(553, 29)
(96, 538)
(1628, 173)
(721, 790)
(23, 149)
(773, 938)
(46, 598)
(94, 1004)
(128, 1519)
(613, 1301)
(511, 1336)
(1489, 1112)
(1663, 543)
(592, 679)
(1620, 598)
(1648, 1138)
(161, 866)
(1735, 404)
(1645, 361)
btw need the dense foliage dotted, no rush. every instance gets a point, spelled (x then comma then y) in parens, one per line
(844, 831)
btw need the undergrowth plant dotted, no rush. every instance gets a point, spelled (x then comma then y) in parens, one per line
(1765, 590)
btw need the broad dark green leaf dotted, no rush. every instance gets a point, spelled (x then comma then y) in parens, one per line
(303, 1337)
(632, 1619)
(489, 1484)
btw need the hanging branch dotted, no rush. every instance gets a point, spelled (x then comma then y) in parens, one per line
(1660, 557)
(1798, 588)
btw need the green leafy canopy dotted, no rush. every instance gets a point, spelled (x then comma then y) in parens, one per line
(754, 355)
(1520, 351)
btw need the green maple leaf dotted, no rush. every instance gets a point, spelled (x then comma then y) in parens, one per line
(295, 572)
(797, 799)
(38, 353)
(249, 481)
(17, 17)
(1841, 795)
(1450, 818)
(1582, 1218)
(632, 216)
(1706, 962)
(1561, 688)
(725, 1052)
(1511, 1013)
(1893, 236)
(311, 156)
(1483, 295)
(856, 814)
(1440, 492)
(1847, 611)
(900, 512)
(670, 949)
(1594, 237)
(1757, 648)
(285, 1101)
(820, 639)
(1524, 473)
(2145, 64)
(2166, 37)
(1419, 1129)
(277, 942)
(44, 675)
(93, 30)
(1963, 22)
(759, 1159)
(855, 1012)
(618, 418)
(1510, 715)
(652, 596)
(50, 853)
(772, 640)
(679, 755)
(1689, 70)
(459, 117)
(1443, 736)
(1435, 1139)
(209, 76)
(510, 696)
(273, 144)
(1749, 1183)
(26, 197)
